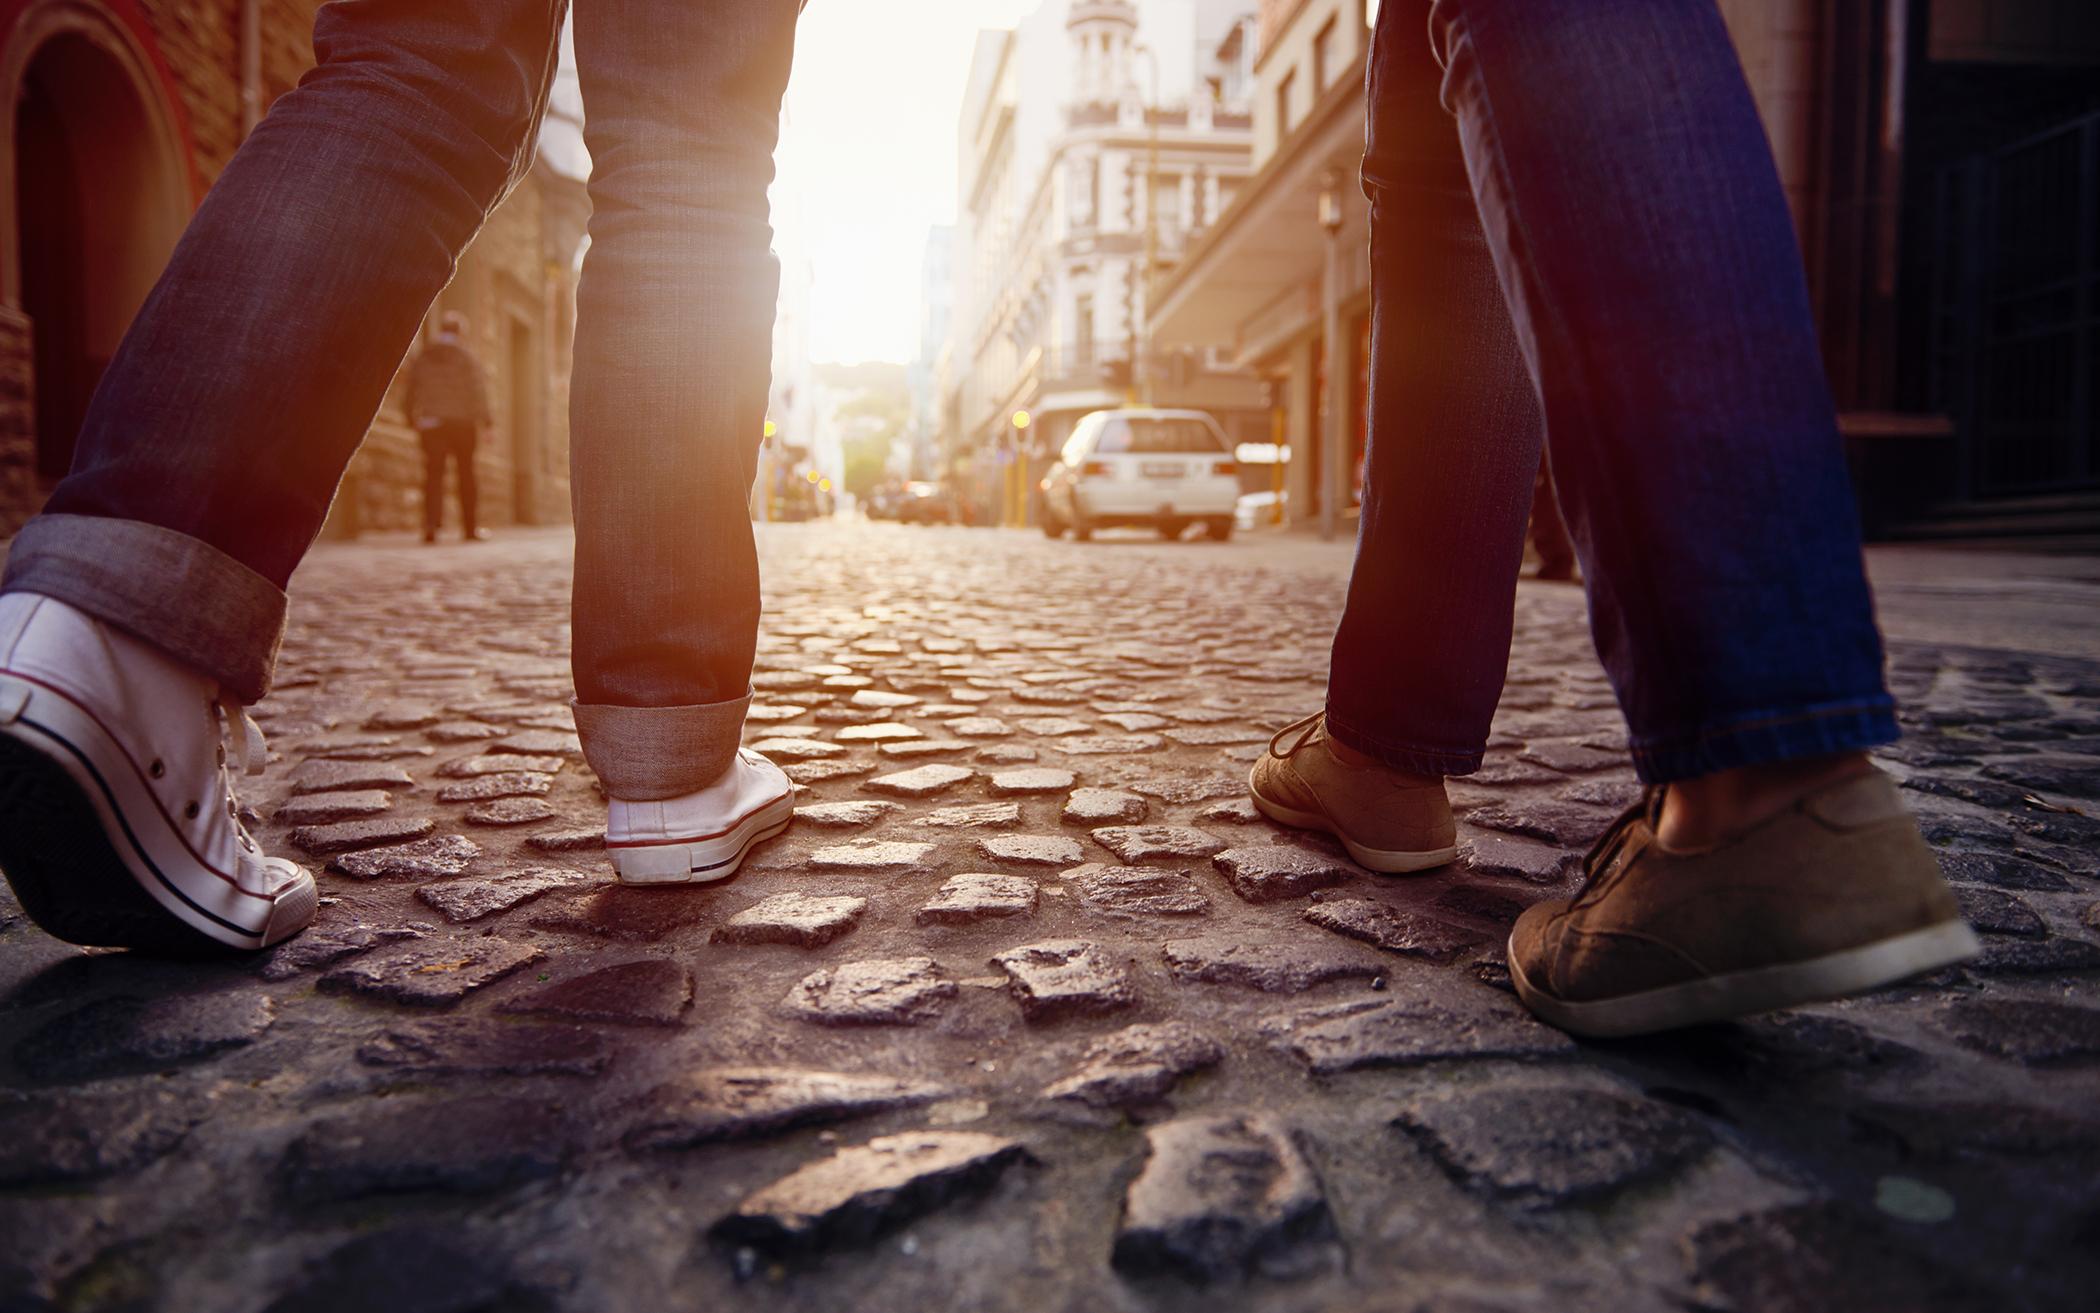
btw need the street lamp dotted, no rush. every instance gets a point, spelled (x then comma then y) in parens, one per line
(1336, 400)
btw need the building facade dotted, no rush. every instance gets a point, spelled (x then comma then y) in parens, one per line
(1942, 160)
(119, 115)
(1097, 141)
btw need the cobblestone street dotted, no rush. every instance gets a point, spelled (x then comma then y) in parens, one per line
(1028, 1010)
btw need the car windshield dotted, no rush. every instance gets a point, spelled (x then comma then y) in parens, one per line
(1156, 437)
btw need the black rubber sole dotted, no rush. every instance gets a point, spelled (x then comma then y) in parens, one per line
(66, 872)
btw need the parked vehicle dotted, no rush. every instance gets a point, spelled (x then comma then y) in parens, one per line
(1159, 469)
(926, 503)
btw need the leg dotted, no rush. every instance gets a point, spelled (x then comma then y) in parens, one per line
(217, 437)
(673, 346)
(433, 483)
(1454, 439)
(466, 442)
(1549, 532)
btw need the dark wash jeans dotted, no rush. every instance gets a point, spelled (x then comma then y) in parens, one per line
(1600, 255)
(221, 429)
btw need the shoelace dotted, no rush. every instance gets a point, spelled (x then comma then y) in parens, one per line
(241, 740)
(1304, 727)
(1603, 853)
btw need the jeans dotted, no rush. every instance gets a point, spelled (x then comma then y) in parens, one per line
(215, 443)
(453, 442)
(1601, 257)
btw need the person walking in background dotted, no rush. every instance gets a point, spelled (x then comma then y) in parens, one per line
(448, 402)
(1602, 254)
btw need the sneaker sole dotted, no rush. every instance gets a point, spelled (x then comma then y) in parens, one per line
(90, 854)
(1385, 861)
(1763, 989)
(701, 861)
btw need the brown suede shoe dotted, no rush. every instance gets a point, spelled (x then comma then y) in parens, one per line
(1836, 895)
(1388, 820)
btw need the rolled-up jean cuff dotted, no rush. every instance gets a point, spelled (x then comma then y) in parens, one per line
(645, 753)
(179, 593)
(1814, 731)
(1415, 759)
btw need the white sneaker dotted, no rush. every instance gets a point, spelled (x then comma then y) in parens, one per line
(118, 822)
(700, 837)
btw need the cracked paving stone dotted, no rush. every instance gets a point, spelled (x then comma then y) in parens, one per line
(1139, 843)
(567, 841)
(626, 913)
(1265, 873)
(1393, 929)
(972, 816)
(920, 782)
(870, 855)
(123, 1035)
(1483, 1025)
(882, 731)
(1221, 1197)
(1549, 1147)
(738, 1103)
(478, 1049)
(1500, 856)
(347, 836)
(784, 750)
(867, 1190)
(79, 1137)
(798, 919)
(1109, 745)
(883, 992)
(1020, 783)
(817, 772)
(471, 1145)
(845, 815)
(431, 972)
(324, 776)
(434, 857)
(978, 896)
(500, 763)
(1103, 807)
(1137, 891)
(1997, 913)
(1567, 824)
(1137, 1065)
(1032, 849)
(979, 727)
(539, 743)
(1050, 727)
(510, 811)
(502, 784)
(1061, 978)
(1271, 965)
(1818, 1256)
(405, 1269)
(651, 992)
(326, 945)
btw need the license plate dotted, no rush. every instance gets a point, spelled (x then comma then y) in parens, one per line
(1163, 469)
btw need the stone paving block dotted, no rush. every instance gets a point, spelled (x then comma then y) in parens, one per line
(2003, 870)
(452, 1048)
(1415, 1031)
(882, 731)
(1020, 783)
(510, 811)
(1570, 758)
(818, 772)
(1994, 912)
(882, 992)
(324, 945)
(1235, 811)
(463, 731)
(1005, 754)
(1032, 849)
(739, 1103)
(431, 972)
(500, 763)
(1570, 825)
(1141, 843)
(567, 841)
(871, 855)
(1819, 1256)
(63, 1140)
(539, 743)
(867, 1190)
(501, 784)
(1220, 1198)
(1103, 807)
(626, 913)
(427, 858)
(1137, 1065)
(915, 748)
(765, 713)
(1548, 1147)
(920, 782)
(1062, 978)
(346, 836)
(845, 815)
(1214, 736)
(1109, 745)
(470, 1145)
(798, 919)
(1394, 929)
(971, 897)
(980, 727)
(786, 750)
(403, 715)
(1494, 856)
(972, 816)
(1272, 964)
(404, 1269)
(883, 701)
(1264, 873)
(2055, 955)
(2033, 1032)
(324, 776)
(1137, 891)
(1050, 727)
(122, 1035)
(653, 991)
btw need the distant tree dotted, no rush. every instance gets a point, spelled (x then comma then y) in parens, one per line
(873, 419)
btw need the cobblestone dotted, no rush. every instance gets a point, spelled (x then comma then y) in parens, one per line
(865, 1191)
(1220, 1197)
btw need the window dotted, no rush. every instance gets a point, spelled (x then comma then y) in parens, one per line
(1166, 202)
(1323, 57)
(1157, 437)
(1083, 330)
(1283, 104)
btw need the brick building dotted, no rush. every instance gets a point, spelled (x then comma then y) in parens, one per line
(118, 115)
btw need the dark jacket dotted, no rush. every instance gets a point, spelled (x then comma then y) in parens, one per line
(446, 385)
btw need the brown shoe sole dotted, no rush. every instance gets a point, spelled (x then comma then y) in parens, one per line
(1762, 989)
(1385, 861)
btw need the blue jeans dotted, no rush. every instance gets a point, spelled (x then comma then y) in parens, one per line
(1601, 257)
(215, 443)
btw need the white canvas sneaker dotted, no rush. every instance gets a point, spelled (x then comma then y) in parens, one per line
(118, 822)
(704, 836)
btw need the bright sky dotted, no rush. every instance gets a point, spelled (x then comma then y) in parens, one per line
(867, 160)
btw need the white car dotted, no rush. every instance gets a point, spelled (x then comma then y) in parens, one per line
(1161, 469)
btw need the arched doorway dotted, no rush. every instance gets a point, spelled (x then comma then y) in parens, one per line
(99, 199)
